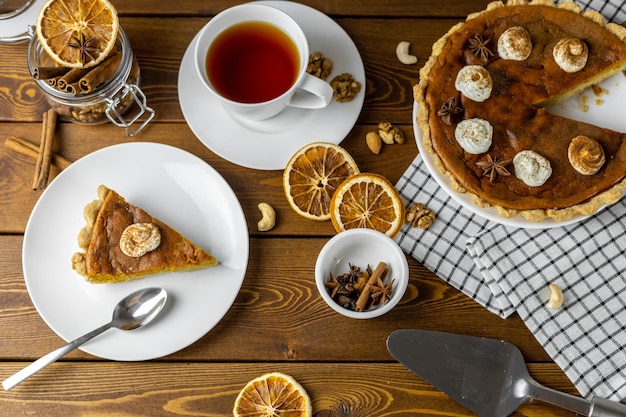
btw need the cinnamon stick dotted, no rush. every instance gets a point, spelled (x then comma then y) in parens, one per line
(364, 298)
(72, 88)
(71, 77)
(45, 73)
(100, 73)
(42, 167)
(31, 150)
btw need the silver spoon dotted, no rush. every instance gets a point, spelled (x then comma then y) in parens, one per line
(132, 312)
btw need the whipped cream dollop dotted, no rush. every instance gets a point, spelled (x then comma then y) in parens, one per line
(474, 135)
(586, 155)
(139, 239)
(515, 44)
(474, 82)
(532, 168)
(571, 54)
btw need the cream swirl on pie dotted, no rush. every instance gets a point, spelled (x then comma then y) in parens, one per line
(586, 155)
(515, 44)
(571, 54)
(140, 238)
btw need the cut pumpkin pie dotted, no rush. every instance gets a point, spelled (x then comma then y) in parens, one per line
(482, 99)
(122, 242)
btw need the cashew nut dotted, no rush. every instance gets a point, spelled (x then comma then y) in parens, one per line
(556, 297)
(268, 220)
(402, 52)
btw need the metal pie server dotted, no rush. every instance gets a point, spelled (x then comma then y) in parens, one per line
(487, 376)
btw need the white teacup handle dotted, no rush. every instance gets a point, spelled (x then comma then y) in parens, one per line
(312, 93)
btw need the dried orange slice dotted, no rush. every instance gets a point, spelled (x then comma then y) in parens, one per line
(77, 33)
(313, 174)
(272, 395)
(367, 201)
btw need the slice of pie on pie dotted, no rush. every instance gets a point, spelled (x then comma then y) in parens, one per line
(122, 242)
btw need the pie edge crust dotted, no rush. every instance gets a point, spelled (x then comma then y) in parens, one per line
(586, 208)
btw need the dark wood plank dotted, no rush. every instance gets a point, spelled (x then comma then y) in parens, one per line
(278, 322)
(192, 389)
(280, 308)
(393, 8)
(251, 186)
(160, 43)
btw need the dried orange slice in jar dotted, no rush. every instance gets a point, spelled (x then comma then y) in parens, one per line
(367, 201)
(77, 33)
(313, 174)
(273, 395)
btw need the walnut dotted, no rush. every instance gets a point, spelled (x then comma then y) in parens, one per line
(390, 133)
(420, 216)
(385, 126)
(345, 87)
(398, 135)
(319, 66)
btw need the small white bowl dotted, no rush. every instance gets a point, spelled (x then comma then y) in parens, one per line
(362, 247)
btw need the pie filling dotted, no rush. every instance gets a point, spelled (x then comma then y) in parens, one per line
(482, 98)
(122, 242)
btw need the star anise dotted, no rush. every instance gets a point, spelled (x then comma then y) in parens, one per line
(478, 46)
(381, 293)
(84, 47)
(353, 274)
(450, 110)
(493, 167)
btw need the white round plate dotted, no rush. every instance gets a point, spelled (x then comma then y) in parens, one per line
(170, 184)
(466, 200)
(268, 144)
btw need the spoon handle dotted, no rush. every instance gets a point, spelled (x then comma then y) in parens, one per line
(46, 360)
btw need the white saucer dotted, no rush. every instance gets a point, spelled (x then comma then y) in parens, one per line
(269, 144)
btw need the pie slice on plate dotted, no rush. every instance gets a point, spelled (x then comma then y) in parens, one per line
(122, 242)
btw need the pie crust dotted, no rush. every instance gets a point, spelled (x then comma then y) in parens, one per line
(521, 90)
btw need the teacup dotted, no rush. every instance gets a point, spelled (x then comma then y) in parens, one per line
(253, 58)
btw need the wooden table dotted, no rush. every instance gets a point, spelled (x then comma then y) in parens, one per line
(278, 321)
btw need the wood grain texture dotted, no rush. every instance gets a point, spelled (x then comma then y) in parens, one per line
(199, 389)
(373, 8)
(251, 186)
(280, 308)
(278, 321)
(159, 44)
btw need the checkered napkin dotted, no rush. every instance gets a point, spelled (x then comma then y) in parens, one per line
(508, 269)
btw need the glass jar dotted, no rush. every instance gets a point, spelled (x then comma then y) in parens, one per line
(111, 100)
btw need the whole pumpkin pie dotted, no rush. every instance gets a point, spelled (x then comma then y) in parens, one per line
(122, 242)
(481, 108)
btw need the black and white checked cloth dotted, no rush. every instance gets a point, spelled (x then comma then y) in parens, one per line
(508, 269)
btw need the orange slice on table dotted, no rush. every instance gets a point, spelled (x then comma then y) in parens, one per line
(367, 201)
(272, 395)
(313, 174)
(77, 33)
